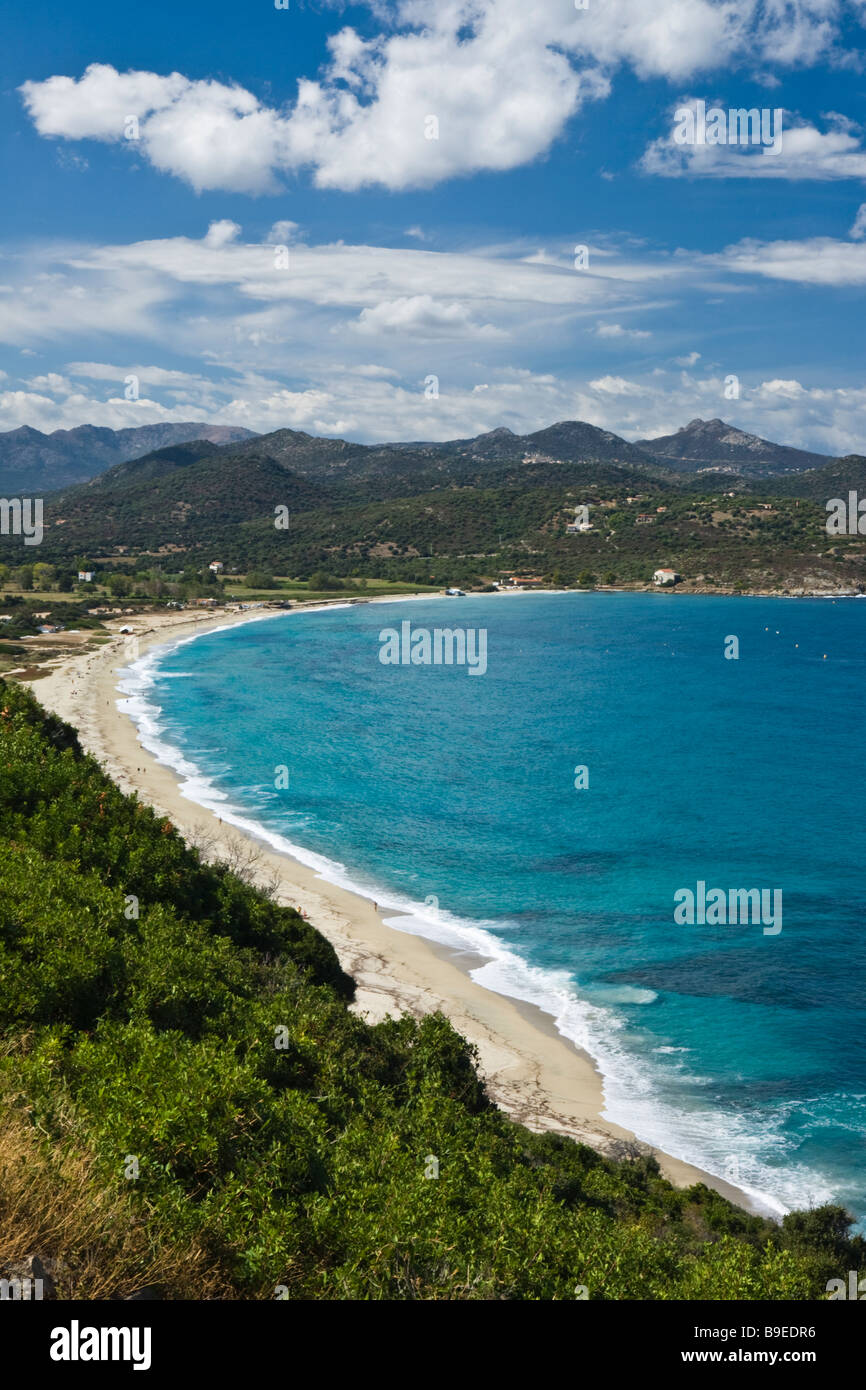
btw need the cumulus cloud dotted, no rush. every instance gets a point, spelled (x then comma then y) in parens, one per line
(443, 90)
(423, 317)
(52, 382)
(46, 412)
(222, 233)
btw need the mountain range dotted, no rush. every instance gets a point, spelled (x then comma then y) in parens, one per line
(33, 463)
(423, 511)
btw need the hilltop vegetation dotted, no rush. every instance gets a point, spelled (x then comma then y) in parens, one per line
(183, 1047)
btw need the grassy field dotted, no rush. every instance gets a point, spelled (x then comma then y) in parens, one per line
(296, 590)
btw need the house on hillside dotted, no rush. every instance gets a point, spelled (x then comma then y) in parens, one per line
(644, 519)
(665, 578)
(85, 576)
(216, 566)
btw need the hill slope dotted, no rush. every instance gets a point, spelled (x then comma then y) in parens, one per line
(280, 1140)
(834, 479)
(181, 496)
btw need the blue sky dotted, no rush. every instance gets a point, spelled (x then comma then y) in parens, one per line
(409, 256)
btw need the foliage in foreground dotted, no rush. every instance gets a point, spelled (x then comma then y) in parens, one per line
(199, 1070)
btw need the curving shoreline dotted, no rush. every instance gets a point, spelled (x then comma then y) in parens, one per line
(538, 1077)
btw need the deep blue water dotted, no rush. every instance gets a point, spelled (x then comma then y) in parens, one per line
(741, 1051)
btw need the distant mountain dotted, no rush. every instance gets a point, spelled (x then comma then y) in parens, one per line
(711, 444)
(33, 463)
(572, 440)
(568, 441)
(560, 454)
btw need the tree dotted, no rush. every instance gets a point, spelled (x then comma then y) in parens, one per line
(43, 575)
(119, 584)
(320, 580)
(260, 579)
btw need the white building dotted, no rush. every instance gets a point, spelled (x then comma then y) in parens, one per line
(85, 576)
(216, 566)
(665, 577)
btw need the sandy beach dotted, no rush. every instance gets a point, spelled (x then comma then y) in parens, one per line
(531, 1071)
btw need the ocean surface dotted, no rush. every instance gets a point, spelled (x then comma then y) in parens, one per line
(452, 798)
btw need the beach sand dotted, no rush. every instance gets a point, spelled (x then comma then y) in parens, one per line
(534, 1074)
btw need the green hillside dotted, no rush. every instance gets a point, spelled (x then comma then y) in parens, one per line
(190, 1103)
(464, 512)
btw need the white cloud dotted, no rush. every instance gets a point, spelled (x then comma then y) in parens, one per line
(222, 233)
(52, 382)
(50, 304)
(812, 261)
(803, 152)
(616, 386)
(282, 232)
(214, 332)
(336, 400)
(152, 376)
(858, 230)
(423, 317)
(45, 412)
(371, 369)
(502, 79)
(616, 330)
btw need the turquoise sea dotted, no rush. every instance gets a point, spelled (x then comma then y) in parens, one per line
(451, 799)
